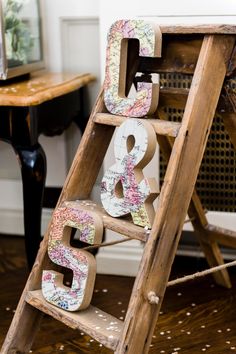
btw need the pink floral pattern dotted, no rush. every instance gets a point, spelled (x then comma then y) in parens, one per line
(82, 263)
(141, 104)
(125, 172)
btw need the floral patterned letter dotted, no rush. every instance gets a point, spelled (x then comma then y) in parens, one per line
(82, 263)
(124, 189)
(146, 99)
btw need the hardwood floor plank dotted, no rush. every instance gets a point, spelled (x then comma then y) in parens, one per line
(196, 317)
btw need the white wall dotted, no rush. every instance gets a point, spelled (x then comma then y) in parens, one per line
(53, 11)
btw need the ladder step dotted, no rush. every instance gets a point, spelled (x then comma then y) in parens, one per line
(98, 324)
(222, 236)
(173, 97)
(119, 225)
(161, 127)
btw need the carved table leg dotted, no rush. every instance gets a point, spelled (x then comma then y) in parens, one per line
(33, 169)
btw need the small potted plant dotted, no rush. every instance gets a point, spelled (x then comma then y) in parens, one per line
(18, 40)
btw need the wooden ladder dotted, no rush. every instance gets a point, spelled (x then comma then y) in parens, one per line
(205, 52)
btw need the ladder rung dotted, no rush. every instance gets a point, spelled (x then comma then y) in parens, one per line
(161, 127)
(223, 236)
(119, 225)
(98, 324)
(173, 97)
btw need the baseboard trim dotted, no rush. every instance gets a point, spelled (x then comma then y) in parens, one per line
(11, 221)
(121, 259)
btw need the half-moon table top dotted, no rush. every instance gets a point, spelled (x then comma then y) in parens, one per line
(41, 86)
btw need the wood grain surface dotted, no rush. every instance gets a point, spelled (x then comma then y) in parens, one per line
(41, 86)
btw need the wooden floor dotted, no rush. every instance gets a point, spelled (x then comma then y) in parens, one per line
(196, 317)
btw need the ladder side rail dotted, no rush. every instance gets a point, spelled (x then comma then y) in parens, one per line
(176, 194)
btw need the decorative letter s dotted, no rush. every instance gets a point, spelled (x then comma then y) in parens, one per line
(81, 262)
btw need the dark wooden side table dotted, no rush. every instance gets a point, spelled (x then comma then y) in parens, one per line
(44, 103)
